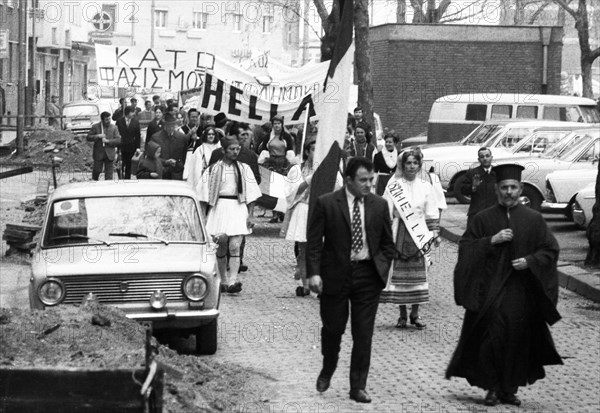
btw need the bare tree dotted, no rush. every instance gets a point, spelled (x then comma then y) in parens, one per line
(401, 11)
(362, 58)
(583, 32)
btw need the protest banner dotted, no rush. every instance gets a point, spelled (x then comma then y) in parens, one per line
(242, 95)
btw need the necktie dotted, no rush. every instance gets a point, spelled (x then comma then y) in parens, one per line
(357, 242)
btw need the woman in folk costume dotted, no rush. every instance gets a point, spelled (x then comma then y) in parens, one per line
(297, 195)
(385, 162)
(415, 224)
(197, 162)
(228, 190)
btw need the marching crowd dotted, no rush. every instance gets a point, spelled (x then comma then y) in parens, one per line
(366, 243)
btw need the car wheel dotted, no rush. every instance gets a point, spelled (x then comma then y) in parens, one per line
(531, 198)
(463, 199)
(206, 338)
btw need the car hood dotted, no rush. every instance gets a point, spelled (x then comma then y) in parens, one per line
(573, 174)
(124, 258)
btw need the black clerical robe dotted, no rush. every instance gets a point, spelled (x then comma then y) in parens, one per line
(505, 340)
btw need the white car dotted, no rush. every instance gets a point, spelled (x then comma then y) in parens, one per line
(581, 209)
(583, 155)
(138, 246)
(563, 186)
(81, 115)
(450, 162)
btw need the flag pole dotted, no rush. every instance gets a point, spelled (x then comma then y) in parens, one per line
(304, 132)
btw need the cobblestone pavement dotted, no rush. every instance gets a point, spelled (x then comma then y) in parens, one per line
(269, 329)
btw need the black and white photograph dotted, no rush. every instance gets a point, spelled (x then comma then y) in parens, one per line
(300, 206)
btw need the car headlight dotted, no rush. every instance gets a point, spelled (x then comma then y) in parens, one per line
(158, 300)
(51, 292)
(195, 287)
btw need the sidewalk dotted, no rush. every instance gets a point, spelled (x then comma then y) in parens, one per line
(572, 277)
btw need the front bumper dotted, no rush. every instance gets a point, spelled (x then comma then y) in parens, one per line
(558, 207)
(176, 319)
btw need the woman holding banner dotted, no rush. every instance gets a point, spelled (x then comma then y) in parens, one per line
(276, 153)
(415, 225)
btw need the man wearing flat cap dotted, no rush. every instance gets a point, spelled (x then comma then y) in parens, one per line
(506, 279)
(173, 146)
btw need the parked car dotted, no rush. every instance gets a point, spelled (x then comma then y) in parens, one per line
(454, 116)
(451, 162)
(582, 155)
(139, 246)
(563, 186)
(81, 115)
(581, 209)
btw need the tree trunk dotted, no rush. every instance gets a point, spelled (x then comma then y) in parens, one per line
(401, 11)
(593, 230)
(362, 59)
(330, 25)
(587, 56)
(519, 15)
(417, 6)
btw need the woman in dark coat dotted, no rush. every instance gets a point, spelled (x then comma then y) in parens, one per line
(155, 124)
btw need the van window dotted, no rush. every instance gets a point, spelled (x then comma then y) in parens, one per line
(501, 112)
(476, 112)
(527, 112)
(563, 113)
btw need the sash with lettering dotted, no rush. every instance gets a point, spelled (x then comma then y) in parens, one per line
(415, 226)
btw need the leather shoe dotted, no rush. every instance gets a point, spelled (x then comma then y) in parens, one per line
(509, 398)
(243, 268)
(360, 396)
(323, 382)
(235, 288)
(491, 398)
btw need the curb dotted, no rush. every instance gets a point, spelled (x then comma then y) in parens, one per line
(571, 277)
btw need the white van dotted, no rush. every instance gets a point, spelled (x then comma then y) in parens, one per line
(452, 117)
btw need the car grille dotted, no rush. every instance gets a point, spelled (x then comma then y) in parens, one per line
(109, 291)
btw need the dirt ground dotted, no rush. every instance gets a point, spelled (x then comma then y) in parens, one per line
(42, 144)
(66, 337)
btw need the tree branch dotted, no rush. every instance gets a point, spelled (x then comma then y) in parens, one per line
(565, 5)
(539, 11)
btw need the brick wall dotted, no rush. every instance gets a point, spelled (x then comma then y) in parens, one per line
(411, 68)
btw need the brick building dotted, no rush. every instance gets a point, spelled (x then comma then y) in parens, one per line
(414, 64)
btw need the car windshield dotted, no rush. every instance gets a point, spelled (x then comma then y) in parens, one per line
(80, 110)
(481, 134)
(539, 142)
(123, 219)
(510, 138)
(590, 114)
(573, 151)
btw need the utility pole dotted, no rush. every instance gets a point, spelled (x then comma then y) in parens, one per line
(32, 66)
(22, 73)
(152, 8)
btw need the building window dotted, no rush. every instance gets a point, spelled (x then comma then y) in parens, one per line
(237, 22)
(54, 36)
(67, 37)
(160, 18)
(200, 20)
(267, 23)
(289, 34)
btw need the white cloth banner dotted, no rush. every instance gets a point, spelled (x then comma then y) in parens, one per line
(244, 95)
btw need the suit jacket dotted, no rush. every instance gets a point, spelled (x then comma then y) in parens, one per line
(114, 140)
(329, 239)
(485, 195)
(130, 136)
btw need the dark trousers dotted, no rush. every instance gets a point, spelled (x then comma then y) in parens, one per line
(126, 161)
(358, 299)
(105, 163)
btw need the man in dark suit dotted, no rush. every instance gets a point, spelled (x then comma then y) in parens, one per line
(106, 138)
(129, 129)
(349, 251)
(173, 146)
(479, 183)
